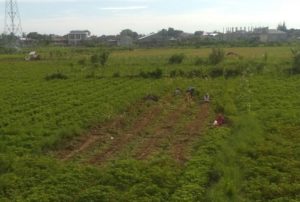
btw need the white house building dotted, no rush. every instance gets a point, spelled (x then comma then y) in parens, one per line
(77, 36)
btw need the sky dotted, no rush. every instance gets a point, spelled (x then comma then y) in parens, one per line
(104, 17)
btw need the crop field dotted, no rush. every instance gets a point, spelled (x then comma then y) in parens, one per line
(76, 130)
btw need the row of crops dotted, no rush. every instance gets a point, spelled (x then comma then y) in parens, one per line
(44, 112)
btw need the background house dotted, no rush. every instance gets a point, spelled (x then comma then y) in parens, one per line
(76, 37)
(273, 35)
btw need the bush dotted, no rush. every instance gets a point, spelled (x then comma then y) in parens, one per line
(82, 62)
(56, 76)
(173, 73)
(232, 72)
(5, 50)
(177, 73)
(102, 58)
(216, 72)
(94, 59)
(200, 61)
(116, 75)
(153, 74)
(296, 61)
(216, 56)
(176, 59)
(194, 73)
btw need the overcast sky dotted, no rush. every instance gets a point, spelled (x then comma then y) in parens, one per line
(145, 16)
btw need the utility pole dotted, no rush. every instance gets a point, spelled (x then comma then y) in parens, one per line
(12, 24)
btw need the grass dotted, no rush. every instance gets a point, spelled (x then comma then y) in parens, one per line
(253, 158)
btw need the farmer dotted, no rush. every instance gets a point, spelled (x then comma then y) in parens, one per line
(190, 92)
(206, 98)
(177, 92)
(220, 120)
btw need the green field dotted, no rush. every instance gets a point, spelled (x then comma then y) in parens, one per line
(92, 135)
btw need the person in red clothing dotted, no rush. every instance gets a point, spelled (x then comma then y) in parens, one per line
(220, 120)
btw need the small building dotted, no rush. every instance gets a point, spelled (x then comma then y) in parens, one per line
(76, 37)
(125, 41)
(153, 39)
(58, 40)
(273, 35)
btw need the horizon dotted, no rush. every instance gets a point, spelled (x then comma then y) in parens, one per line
(105, 17)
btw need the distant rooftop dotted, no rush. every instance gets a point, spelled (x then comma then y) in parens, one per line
(149, 35)
(80, 32)
(275, 31)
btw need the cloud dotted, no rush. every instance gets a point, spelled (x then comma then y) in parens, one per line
(124, 8)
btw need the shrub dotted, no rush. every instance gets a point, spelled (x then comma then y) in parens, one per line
(56, 76)
(232, 72)
(216, 56)
(296, 61)
(156, 73)
(153, 74)
(116, 74)
(94, 59)
(82, 62)
(177, 73)
(101, 58)
(181, 73)
(5, 50)
(176, 59)
(194, 73)
(200, 61)
(216, 72)
(173, 73)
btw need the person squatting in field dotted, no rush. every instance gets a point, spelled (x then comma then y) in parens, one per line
(190, 93)
(220, 120)
(206, 98)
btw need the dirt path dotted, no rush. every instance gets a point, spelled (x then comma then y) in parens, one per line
(143, 131)
(119, 143)
(86, 141)
(114, 133)
(162, 132)
(193, 130)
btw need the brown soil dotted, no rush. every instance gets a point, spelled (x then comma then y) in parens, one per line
(162, 133)
(103, 133)
(183, 141)
(107, 141)
(119, 143)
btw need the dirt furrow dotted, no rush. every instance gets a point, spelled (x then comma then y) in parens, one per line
(192, 131)
(119, 143)
(169, 125)
(162, 133)
(103, 134)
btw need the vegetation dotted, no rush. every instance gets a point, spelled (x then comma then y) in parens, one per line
(57, 75)
(145, 149)
(176, 59)
(296, 61)
(101, 58)
(156, 74)
(216, 56)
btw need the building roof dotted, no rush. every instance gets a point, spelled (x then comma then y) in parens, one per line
(147, 36)
(80, 32)
(275, 31)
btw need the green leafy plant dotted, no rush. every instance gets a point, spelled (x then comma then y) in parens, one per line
(296, 60)
(176, 59)
(56, 76)
(216, 56)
